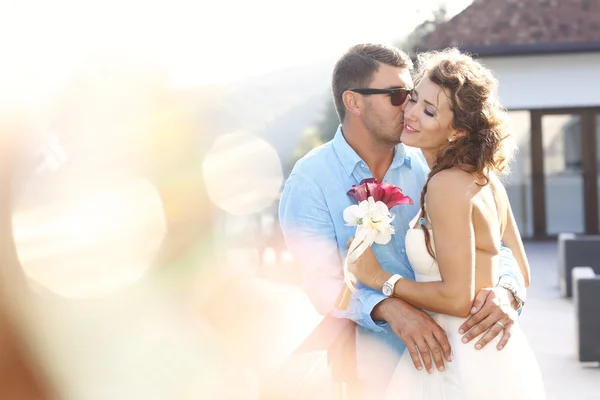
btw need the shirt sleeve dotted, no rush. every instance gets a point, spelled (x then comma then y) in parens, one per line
(310, 237)
(510, 273)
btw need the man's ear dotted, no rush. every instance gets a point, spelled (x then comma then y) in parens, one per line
(352, 103)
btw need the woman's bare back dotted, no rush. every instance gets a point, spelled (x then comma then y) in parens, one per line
(494, 226)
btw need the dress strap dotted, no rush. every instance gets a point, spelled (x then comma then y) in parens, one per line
(413, 222)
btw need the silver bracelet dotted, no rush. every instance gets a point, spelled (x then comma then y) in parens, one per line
(513, 290)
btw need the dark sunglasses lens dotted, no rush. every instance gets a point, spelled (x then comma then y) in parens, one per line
(399, 97)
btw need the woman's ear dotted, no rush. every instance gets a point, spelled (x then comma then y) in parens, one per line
(352, 103)
(457, 135)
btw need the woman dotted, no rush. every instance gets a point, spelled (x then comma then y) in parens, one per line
(454, 242)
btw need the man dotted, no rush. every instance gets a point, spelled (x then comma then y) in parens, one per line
(370, 85)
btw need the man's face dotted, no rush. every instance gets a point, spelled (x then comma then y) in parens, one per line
(384, 120)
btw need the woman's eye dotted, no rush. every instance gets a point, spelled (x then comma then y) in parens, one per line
(427, 112)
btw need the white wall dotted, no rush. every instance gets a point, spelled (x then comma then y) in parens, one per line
(548, 81)
(518, 183)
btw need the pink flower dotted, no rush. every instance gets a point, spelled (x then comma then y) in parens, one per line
(385, 192)
(361, 192)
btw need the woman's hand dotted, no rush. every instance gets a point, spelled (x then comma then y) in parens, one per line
(367, 269)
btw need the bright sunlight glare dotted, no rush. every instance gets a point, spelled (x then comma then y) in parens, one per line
(198, 42)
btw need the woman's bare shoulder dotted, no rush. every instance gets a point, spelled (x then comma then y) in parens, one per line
(454, 181)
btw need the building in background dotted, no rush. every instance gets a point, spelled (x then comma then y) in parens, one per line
(546, 55)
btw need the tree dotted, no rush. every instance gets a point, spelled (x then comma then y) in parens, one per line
(438, 16)
(329, 122)
(311, 138)
(322, 132)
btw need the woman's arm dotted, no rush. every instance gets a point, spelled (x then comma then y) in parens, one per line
(449, 206)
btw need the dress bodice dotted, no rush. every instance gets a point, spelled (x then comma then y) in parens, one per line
(425, 267)
(473, 374)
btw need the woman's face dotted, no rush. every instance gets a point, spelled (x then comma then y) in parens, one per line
(428, 118)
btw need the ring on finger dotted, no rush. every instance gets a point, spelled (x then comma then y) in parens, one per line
(500, 323)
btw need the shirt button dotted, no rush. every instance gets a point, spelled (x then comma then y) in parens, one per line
(362, 165)
(404, 250)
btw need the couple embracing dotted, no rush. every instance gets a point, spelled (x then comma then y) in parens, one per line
(455, 270)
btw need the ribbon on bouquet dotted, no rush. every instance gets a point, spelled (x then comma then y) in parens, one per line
(357, 247)
(373, 222)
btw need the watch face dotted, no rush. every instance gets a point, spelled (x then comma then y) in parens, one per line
(387, 290)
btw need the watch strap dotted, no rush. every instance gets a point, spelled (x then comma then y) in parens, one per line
(391, 283)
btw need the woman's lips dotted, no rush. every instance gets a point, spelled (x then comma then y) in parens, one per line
(410, 129)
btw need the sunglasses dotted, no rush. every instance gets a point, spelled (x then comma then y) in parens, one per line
(397, 96)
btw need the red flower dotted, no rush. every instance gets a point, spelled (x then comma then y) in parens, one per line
(361, 192)
(385, 192)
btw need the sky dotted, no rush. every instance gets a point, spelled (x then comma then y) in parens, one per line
(198, 42)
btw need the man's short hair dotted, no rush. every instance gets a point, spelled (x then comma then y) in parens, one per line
(355, 69)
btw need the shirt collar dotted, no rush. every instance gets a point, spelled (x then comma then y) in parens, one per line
(349, 158)
(401, 157)
(345, 153)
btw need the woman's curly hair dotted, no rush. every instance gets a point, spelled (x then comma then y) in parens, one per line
(471, 88)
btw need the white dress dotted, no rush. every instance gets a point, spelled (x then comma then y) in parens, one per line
(473, 374)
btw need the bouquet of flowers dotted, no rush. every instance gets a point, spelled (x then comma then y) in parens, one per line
(373, 220)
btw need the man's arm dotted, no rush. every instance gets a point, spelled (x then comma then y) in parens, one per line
(310, 236)
(511, 279)
(514, 267)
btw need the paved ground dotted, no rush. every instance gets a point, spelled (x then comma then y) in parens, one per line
(549, 322)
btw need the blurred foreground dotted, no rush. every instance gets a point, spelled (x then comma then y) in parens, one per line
(130, 285)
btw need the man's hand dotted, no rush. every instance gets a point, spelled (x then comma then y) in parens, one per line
(417, 330)
(491, 310)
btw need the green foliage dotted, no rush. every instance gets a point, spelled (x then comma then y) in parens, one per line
(409, 44)
(322, 132)
(328, 123)
(311, 138)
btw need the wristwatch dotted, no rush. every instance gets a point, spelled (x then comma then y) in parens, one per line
(518, 297)
(388, 287)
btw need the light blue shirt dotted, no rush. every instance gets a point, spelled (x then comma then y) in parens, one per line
(311, 217)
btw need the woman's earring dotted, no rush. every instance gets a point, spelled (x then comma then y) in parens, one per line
(449, 140)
